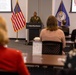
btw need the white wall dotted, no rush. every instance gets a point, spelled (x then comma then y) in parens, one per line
(32, 6)
(44, 8)
(28, 7)
(7, 16)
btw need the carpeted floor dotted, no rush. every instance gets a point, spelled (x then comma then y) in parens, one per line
(26, 48)
(20, 46)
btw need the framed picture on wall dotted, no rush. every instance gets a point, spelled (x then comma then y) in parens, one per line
(5, 6)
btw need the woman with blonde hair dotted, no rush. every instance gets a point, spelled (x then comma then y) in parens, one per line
(52, 32)
(11, 60)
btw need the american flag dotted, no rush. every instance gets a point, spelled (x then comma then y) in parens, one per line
(17, 18)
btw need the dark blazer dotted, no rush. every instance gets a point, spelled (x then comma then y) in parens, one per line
(73, 35)
(65, 30)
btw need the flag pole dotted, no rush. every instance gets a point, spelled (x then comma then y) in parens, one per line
(17, 20)
(16, 37)
(16, 0)
(17, 31)
(61, 0)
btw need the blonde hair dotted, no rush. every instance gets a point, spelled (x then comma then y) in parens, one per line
(3, 32)
(52, 23)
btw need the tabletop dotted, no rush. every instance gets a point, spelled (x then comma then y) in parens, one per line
(48, 60)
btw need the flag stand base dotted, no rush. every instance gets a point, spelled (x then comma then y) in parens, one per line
(16, 40)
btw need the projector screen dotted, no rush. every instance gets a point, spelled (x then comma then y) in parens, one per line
(73, 6)
(5, 6)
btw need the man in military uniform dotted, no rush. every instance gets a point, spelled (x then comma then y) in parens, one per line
(35, 18)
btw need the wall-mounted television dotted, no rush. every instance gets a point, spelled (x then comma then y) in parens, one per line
(73, 6)
(5, 6)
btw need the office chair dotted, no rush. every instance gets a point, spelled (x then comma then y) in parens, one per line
(8, 73)
(52, 47)
(66, 72)
(73, 37)
(65, 30)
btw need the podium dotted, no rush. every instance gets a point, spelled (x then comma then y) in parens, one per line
(33, 30)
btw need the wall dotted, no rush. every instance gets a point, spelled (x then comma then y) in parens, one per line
(72, 16)
(44, 8)
(28, 7)
(7, 16)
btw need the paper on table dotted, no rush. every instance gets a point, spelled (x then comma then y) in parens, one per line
(61, 59)
(24, 56)
(37, 48)
(24, 59)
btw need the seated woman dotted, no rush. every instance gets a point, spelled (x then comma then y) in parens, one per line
(69, 64)
(11, 60)
(52, 32)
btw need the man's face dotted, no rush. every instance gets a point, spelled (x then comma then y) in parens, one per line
(35, 14)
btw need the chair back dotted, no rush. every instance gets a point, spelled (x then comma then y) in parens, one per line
(66, 72)
(8, 73)
(52, 47)
(73, 35)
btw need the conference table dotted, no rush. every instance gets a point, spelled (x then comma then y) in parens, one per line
(45, 60)
(70, 45)
(44, 64)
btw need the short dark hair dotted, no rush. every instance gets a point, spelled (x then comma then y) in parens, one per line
(63, 22)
